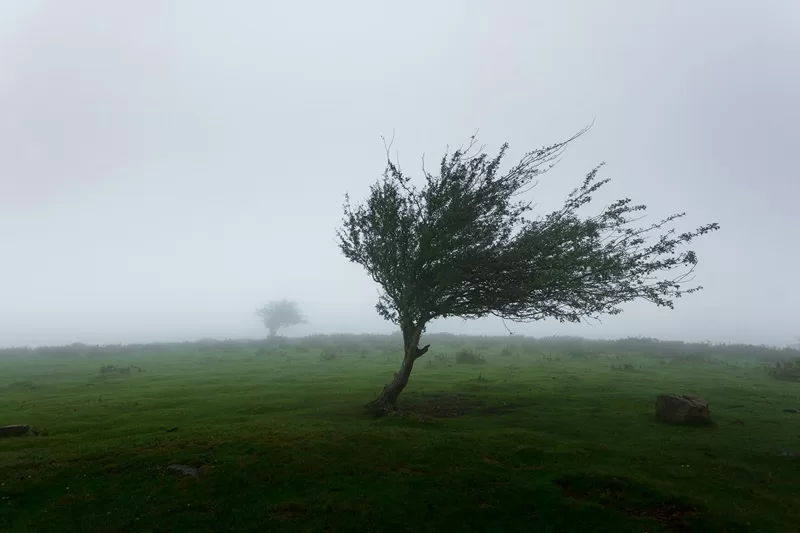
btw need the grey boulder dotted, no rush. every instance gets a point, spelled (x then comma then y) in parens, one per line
(682, 409)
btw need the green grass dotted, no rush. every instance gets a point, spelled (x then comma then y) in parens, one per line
(526, 442)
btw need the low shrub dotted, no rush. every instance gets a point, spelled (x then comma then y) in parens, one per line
(329, 355)
(580, 353)
(467, 357)
(788, 370)
(108, 369)
(695, 359)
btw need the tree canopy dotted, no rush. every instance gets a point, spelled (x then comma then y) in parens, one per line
(462, 245)
(280, 313)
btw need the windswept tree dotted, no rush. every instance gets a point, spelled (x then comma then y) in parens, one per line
(278, 314)
(462, 245)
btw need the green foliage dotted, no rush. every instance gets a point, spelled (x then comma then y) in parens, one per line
(280, 313)
(462, 245)
(468, 357)
(788, 370)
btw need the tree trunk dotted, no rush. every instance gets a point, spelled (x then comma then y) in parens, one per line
(387, 401)
(273, 331)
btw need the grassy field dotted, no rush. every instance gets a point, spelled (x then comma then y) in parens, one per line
(533, 439)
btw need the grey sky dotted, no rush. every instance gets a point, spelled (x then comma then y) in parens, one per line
(168, 166)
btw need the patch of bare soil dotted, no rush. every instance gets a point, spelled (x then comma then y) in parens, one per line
(404, 469)
(448, 405)
(289, 510)
(500, 409)
(630, 498)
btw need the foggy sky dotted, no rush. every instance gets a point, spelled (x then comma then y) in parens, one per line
(166, 167)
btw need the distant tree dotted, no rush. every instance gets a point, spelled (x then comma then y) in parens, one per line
(461, 246)
(279, 314)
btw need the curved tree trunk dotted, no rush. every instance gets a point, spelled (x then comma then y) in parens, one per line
(387, 401)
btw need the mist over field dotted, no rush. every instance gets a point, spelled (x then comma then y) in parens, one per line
(168, 167)
(399, 267)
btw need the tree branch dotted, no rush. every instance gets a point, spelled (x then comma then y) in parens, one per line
(421, 351)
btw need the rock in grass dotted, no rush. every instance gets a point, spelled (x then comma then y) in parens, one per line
(682, 409)
(14, 431)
